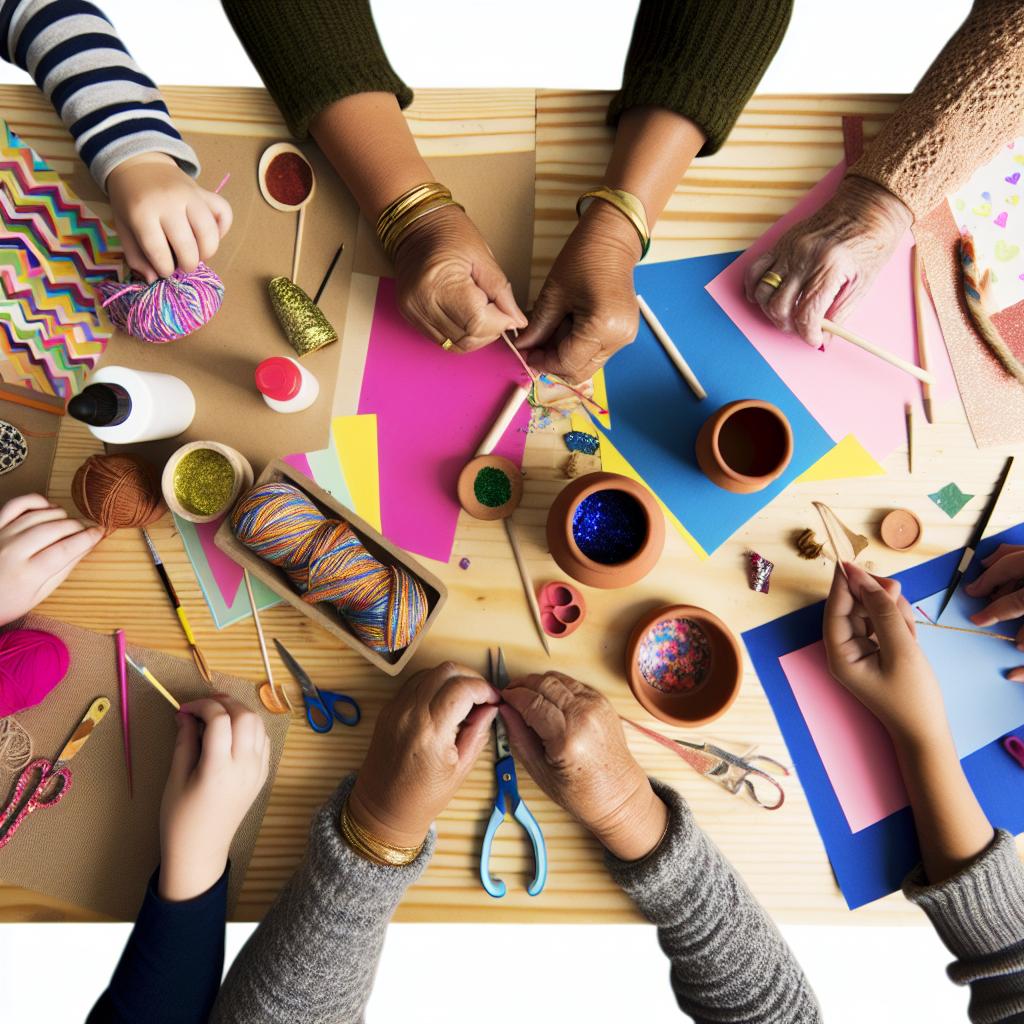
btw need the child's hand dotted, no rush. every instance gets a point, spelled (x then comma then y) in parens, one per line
(872, 650)
(220, 763)
(163, 218)
(39, 546)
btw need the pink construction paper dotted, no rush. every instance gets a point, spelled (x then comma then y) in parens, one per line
(226, 574)
(845, 389)
(854, 747)
(433, 410)
(301, 463)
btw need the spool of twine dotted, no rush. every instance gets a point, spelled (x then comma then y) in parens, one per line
(115, 491)
(15, 746)
(324, 560)
(168, 309)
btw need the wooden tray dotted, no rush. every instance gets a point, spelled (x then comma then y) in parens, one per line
(323, 614)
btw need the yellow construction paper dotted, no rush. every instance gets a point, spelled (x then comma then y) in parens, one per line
(355, 438)
(601, 397)
(848, 459)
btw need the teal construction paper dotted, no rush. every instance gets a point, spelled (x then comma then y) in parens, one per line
(950, 499)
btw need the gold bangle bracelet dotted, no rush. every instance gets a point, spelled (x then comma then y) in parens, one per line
(370, 848)
(407, 199)
(396, 216)
(397, 231)
(627, 204)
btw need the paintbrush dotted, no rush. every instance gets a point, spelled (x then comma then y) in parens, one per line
(154, 682)
(197, 655)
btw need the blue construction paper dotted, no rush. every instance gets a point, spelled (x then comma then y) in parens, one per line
(657, 417)
(873, 862)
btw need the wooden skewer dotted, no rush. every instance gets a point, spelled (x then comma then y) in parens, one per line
(922, 337)
(263, 643)
(524, 575)
(964, 629)
(298, 243)
(910, 438)
(868, 346)
(670, 349)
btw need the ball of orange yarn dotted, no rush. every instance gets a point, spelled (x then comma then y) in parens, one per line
(118, 490)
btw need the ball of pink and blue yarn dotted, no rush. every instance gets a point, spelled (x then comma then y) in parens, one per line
(166, 310)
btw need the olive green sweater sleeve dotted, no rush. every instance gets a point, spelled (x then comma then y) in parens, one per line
(310, 53)
(701, 58)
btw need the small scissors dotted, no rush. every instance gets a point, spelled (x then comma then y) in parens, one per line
(508, 799)
(41, 793)
(321, 705)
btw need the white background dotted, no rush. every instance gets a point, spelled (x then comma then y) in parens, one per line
(457, 973)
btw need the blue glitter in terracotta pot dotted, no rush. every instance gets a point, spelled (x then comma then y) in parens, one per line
(609, 527)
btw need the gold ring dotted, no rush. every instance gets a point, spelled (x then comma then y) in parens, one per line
(770, 278)
(447, 344)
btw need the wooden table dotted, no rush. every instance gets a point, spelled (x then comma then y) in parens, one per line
(781, 146)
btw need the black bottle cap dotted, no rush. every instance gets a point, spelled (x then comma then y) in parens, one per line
(98, 405)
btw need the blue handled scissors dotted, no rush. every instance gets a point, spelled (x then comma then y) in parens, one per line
(321, 705)
(508, 799)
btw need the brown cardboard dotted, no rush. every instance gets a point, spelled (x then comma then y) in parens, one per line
(325, 615)
(40, 431)
(97, 848)
(218, 361)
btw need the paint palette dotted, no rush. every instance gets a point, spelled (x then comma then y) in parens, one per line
(562, 608)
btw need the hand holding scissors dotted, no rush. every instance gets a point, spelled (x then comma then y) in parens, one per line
(54, 779)
(322, 706)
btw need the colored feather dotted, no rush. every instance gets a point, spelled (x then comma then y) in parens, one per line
(977, 299)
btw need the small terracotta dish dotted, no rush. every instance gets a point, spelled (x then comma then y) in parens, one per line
(605, 530)
(172, 490)
(745, 445)
(900, 529)
(490, 487)
(562, 608)
(684, 665)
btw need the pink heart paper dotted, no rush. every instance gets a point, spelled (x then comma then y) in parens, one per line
(1000, 221)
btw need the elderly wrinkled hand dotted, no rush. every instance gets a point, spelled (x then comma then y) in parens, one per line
(1002, 582)
(570, 740)
(827, 262)
(423, 746)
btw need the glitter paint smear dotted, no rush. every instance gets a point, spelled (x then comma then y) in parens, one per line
(289, 178)
(203, 481)
(492, 487)
(675, 656)
(609, 527)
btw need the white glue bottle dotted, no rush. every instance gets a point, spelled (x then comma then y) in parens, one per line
(285, 385)
(123, 406)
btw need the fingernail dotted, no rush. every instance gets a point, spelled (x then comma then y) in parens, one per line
(971, 587)
(981, 619)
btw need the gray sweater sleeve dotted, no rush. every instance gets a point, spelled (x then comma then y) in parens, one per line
(313, 958)
(979, 915)
(728, 961)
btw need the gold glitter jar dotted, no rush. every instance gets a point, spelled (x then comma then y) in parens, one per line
(203, 479)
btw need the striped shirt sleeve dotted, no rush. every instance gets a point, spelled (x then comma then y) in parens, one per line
(111, 108)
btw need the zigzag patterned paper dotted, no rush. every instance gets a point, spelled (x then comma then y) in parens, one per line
(53, 251)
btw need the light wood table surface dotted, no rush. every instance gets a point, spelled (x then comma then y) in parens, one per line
(781, 146)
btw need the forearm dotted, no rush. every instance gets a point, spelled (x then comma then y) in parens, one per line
(951, 827)
(968, 104)
(368, 142)
(729, 962)
(653, 148)
(111, 108)
(314, 955)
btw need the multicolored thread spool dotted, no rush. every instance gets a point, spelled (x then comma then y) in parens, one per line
(168, 309)
(325, 561)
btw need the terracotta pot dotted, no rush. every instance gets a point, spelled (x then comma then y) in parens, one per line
(745, 445)
(562, 539)
(717, 690)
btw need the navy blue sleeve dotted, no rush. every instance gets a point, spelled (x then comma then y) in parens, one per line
(170, 971)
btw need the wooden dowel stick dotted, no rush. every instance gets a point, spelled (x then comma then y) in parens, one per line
(274, 689)
(922, 338)
(910, 438)
(298, 244)
(670, 349)
(868, 346)
(524, 575)
(505, 417)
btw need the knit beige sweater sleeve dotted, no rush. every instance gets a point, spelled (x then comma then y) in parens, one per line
(969, 103)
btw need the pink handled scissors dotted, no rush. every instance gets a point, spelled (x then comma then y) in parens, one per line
(54, 777)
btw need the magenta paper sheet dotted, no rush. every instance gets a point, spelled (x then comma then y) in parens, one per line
(433, 410)
(846, 390)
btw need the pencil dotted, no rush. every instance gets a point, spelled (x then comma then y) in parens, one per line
(670, 349)
(880, 353)
(122, 679)
(18, 397)
(326, 278)
(152, 680)
(922, 338)
(197, 655)
(524, 575)
(910, 437)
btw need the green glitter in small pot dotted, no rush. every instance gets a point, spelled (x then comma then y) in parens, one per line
(492, 487)
(203, 481)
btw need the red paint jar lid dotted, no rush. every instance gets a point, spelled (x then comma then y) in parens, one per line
(278, 378)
